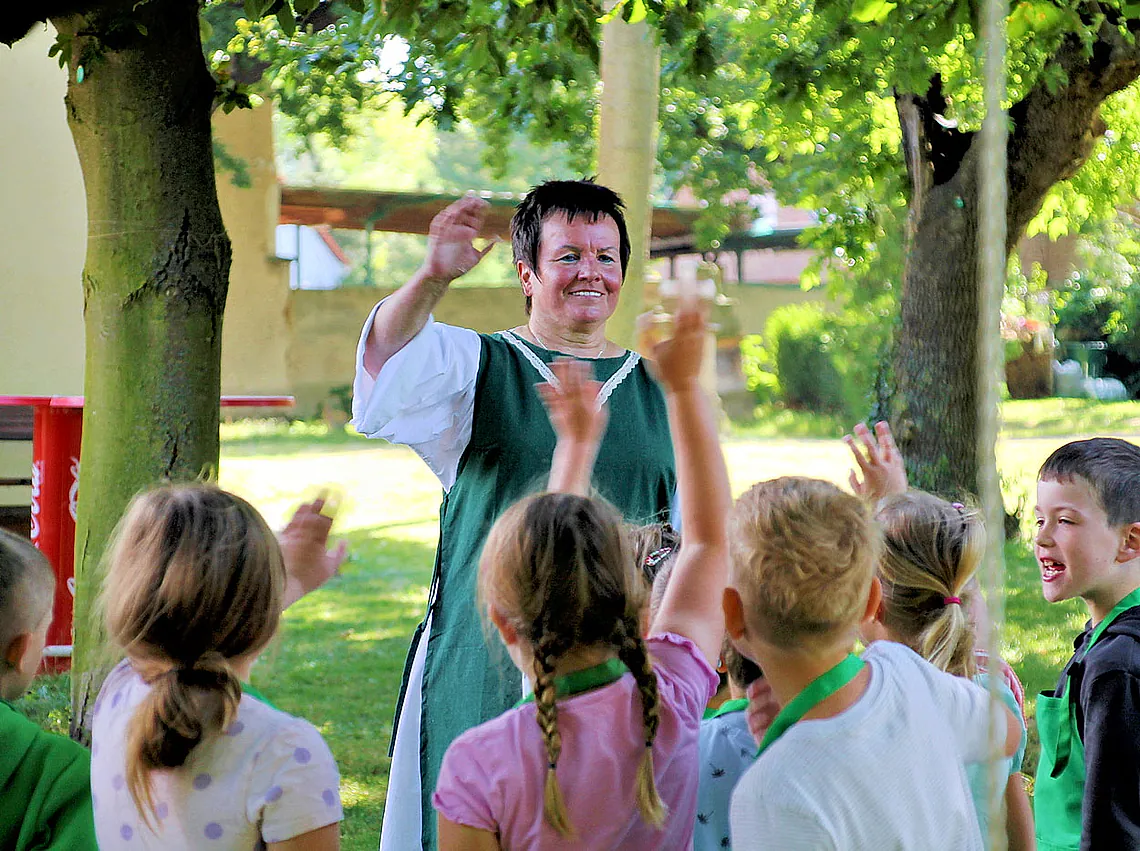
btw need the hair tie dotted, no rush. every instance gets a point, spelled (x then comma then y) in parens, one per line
(957, 506)
(657, 556)
(946, 601)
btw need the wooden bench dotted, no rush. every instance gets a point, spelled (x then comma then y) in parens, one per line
(15, 425)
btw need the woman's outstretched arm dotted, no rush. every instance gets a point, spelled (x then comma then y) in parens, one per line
(451, 254)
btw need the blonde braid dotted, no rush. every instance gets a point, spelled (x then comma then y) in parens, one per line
(546, 714)
(632, 651)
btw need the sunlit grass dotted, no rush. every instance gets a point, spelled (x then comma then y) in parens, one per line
(1071, 418)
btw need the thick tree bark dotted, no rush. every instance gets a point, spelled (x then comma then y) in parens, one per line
(627, 151)
(155, 278)
(934, 404)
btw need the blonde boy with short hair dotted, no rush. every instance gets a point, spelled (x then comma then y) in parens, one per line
(867, 752)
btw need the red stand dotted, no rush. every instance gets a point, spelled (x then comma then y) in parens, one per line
(57, 433)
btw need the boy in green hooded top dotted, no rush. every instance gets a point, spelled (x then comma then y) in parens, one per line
(45, 780)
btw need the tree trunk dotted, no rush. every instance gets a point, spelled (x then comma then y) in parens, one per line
(139, 102)
(627, 151)
(934, 410)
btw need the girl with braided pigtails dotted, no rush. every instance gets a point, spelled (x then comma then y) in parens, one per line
(603, 755)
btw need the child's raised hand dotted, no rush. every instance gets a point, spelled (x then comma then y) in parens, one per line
(579, 423)
(573, 405)
(309, 563)
(881, 464)
(677, 360)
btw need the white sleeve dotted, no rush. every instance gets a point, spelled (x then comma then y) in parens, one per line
(424, 396)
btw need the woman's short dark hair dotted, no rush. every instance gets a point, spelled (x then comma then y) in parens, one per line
(573, 198)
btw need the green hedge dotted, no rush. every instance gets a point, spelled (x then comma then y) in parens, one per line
(815, 359)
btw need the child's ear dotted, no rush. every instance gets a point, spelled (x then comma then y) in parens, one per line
(506, 629)
(1129, 544)
(733, 607)
(874, 610)
(16, 651)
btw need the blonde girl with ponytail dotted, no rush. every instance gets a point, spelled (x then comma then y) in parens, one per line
(186, 755)
(933, 549)
(603, 755)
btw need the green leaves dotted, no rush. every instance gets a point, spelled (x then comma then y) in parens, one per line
(62, 49)
(255, 10)
(1037, 17)
(872, 11)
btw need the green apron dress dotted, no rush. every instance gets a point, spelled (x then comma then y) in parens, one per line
(468, 677)
(1060, 785)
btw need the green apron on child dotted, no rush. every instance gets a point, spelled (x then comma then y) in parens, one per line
(1060, 785)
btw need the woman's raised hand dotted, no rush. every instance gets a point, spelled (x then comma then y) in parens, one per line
(451, 251)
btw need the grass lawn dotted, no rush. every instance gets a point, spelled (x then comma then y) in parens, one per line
(339, 658)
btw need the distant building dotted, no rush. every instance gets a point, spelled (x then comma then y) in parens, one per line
(316, 260)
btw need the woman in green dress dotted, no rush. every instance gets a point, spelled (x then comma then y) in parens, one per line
(467, 404)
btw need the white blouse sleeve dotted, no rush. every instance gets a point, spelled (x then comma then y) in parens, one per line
(424, 396)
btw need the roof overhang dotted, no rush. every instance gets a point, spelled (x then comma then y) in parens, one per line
(412, 212)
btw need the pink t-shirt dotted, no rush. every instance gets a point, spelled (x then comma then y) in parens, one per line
(493, 775)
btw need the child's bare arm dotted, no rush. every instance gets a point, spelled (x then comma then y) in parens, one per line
(692, 603)
(322, 839)
(578, 422)
(1018, 816)
(460, 837)
(1012, 732)
(882, 466)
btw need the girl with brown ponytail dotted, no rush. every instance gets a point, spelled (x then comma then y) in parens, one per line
(603, 755)
(932, 552)
(186, 755)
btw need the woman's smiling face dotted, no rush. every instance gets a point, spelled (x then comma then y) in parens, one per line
(579, 275)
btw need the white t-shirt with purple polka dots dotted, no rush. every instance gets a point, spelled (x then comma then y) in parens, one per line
(268, 778)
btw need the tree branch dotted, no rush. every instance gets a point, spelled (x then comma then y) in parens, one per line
(1054, 132)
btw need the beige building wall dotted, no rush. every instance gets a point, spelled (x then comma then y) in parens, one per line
(324, 327)
(254, 330)
(43, 239)
(43, 226)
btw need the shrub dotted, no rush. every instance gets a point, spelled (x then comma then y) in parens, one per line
(811, 358)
